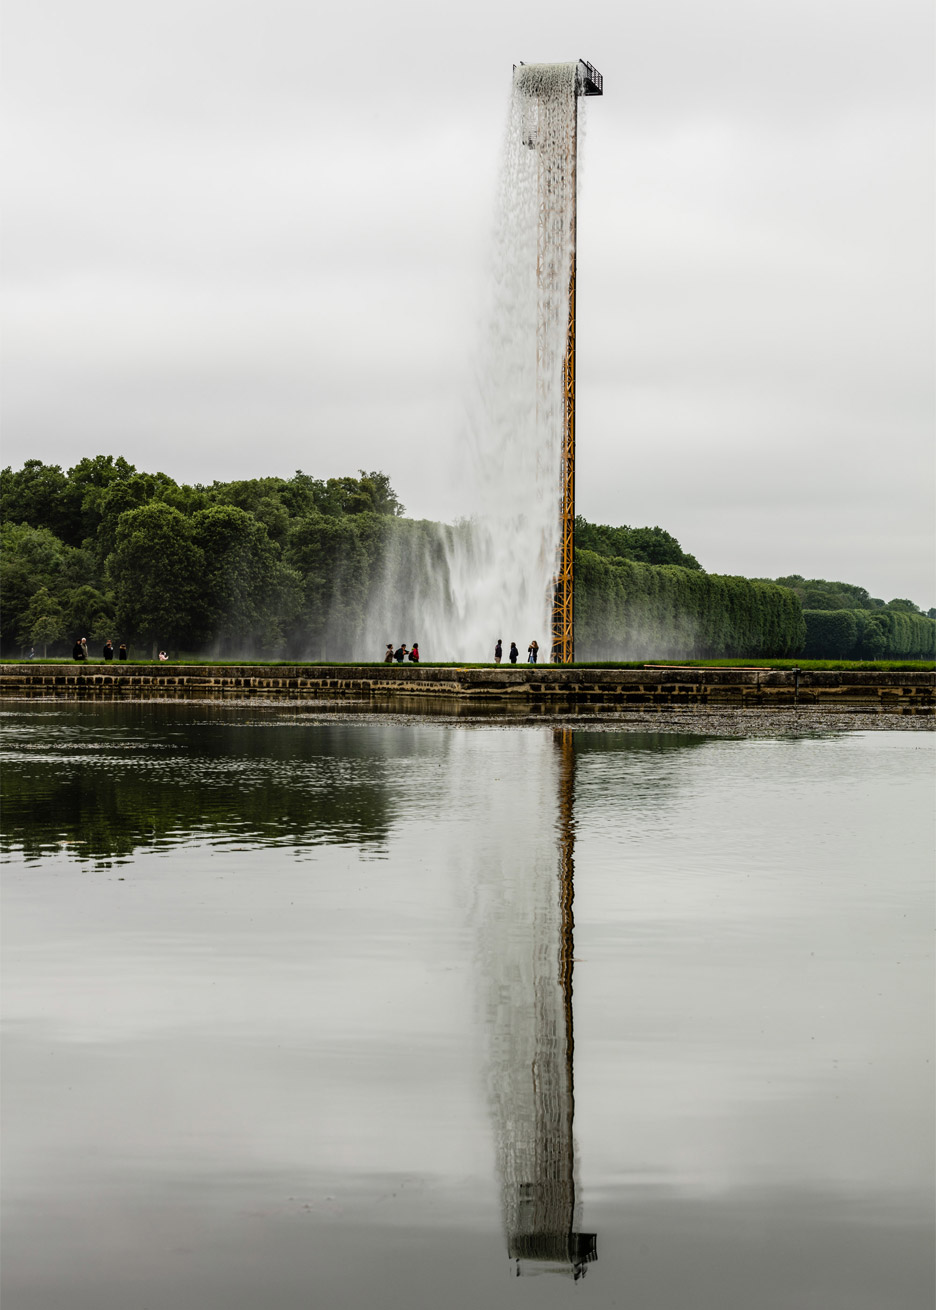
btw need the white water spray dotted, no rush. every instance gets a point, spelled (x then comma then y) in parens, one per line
(456, 590)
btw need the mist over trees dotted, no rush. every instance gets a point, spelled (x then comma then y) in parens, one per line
(292, 567)
(664, 611)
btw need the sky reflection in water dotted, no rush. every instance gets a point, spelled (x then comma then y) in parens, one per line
(289, 1022)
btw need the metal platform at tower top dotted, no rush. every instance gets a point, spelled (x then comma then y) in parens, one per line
(591, 83)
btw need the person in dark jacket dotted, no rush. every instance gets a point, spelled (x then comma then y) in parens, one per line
(513, 652)
(532, 652)
(108, 650)
(498, 651)
(78, 650)
(122, 653)
(400, 654)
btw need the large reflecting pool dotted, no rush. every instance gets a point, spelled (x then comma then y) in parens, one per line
(426, 1014)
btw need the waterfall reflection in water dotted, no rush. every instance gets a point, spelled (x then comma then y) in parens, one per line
(521, 871)
(287, 1015)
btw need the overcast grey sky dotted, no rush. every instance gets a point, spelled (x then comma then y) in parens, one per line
(247, 238)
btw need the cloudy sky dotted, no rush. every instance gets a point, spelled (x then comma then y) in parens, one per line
(244, 238)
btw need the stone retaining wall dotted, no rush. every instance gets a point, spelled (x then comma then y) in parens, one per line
(526, 685)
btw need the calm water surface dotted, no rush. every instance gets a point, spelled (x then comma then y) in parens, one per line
(304, 1014)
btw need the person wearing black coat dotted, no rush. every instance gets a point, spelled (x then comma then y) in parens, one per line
(78, 650)
(513, 652)
(122, 653)
(108, 650)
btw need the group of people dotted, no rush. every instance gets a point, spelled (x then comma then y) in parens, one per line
(401, 653)
(513, 654)
(80, 650)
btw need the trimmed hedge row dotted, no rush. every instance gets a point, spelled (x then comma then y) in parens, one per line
(625, 610)
(869, 634)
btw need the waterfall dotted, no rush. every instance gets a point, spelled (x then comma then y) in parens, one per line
(457, 589)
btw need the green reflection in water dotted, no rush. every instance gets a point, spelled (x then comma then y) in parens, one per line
(104, 781)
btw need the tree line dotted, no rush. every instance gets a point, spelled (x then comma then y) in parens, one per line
(845, 622)
(291, 567)
(105, 551)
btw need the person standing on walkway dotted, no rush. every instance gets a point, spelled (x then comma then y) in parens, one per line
(498, 651)
(78, 650)
(388, 658)
(108, 649)
(514, 653)
(532, 652)
(400, 653)
(414, 653)
(122, 653)
(84, 648)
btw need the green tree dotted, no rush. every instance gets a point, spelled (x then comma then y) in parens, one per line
(338, 558)
(873, 638)
(121, 494)
(30, 558)
(37, 494)
(155, 571)
(88, 480)
(260, 497)
(645, 545)
(818, 594)
(89, 613)
(246, 593)
(44, 622)
(371, 493)
(830, 634)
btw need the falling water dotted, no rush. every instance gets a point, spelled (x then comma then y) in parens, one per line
(457, 589)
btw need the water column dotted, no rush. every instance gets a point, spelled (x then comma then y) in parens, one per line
(496, 573)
